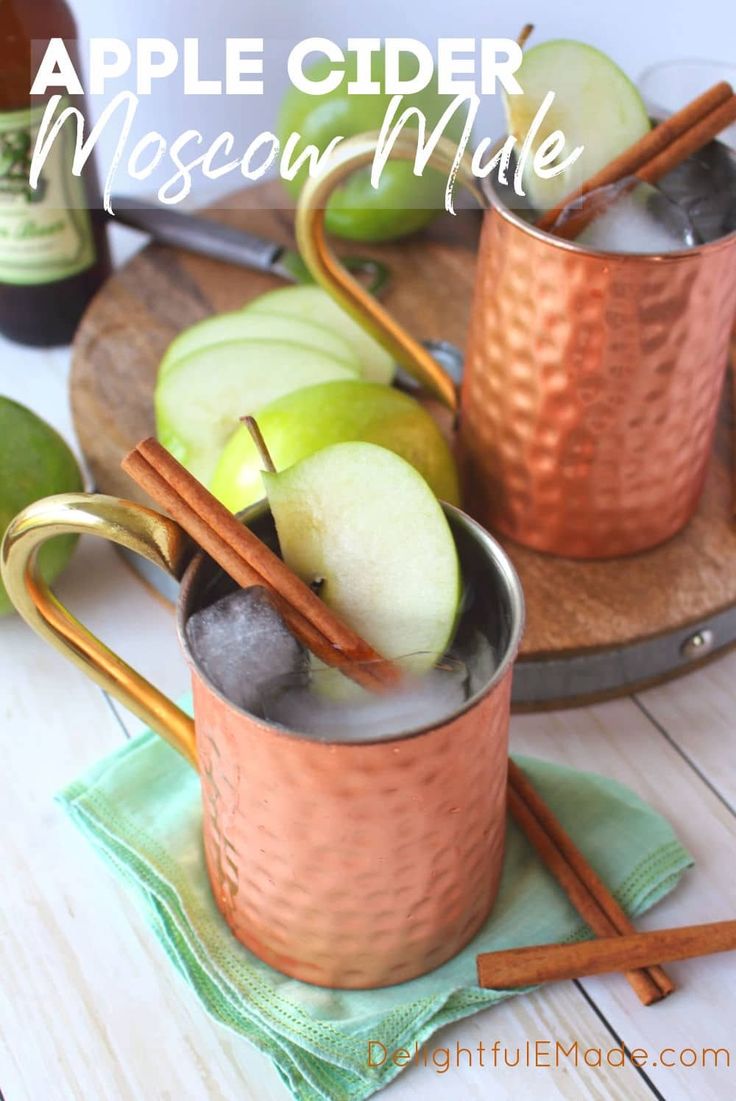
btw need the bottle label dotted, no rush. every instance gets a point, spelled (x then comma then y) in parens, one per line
(46, 234)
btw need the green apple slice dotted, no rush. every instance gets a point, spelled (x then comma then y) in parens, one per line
(314, 304)
(200, 400)
(298, 424)
(364, 522)
(241, 325)
(595, 105)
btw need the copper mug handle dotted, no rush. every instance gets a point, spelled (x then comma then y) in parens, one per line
(140, 529)
(357, 152)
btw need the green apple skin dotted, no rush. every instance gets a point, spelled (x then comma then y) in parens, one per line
(303, 422)
(240, 324)
(199, 401)
(35, 462)
(314, 303)
(403, 202)
(362, 520)
(595, 105)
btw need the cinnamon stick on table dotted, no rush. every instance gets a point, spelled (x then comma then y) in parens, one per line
(585, 889)
(549, 962)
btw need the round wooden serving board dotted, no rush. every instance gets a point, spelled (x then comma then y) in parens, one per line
(594, 629)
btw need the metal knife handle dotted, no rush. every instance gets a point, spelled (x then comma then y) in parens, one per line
(234, 246)
(200, 235)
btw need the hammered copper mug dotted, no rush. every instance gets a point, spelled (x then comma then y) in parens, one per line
(341, 864)
(592, 380)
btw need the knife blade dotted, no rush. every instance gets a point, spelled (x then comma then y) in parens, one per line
(231, 245)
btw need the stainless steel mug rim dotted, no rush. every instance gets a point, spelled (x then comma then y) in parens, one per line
(497, 557)
(494, 200)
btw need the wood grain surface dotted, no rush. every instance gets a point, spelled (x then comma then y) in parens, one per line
(573, 607)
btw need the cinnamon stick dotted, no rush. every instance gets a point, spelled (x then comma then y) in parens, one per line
(648, 146)
(248, 561)
(585, 889)
(245, 558)
(550, 962)
(702, 117)
(689, 142)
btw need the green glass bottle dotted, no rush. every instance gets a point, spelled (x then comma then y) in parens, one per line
(53, 241)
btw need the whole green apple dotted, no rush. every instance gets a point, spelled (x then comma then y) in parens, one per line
(198, 401)
(403, 202)
(34, 462)
(312, 418)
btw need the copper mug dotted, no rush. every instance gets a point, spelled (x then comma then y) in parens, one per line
(341, 864)
(591, 382)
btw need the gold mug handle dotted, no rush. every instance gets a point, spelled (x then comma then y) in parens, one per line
(357, 152)
(140, 529)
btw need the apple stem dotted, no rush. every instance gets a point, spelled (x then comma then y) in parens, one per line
(525, 34)
(257, 436)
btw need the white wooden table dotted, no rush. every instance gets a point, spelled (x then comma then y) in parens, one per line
(90, 1008)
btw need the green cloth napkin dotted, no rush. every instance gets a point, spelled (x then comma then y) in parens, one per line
(140, 808)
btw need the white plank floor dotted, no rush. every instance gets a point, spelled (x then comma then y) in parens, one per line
(91, 1010)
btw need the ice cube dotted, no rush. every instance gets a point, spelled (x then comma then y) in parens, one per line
(479, 656)
(713, 216)
(705, 186)
(479, 635)
(241, 642)
(634, 219)
(298, 704)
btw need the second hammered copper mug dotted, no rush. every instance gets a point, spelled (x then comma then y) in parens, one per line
(591, 382)
(346, 864)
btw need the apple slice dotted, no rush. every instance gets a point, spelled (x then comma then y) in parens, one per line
(300, 423)
(362, 521)
(595, 105)
(241, 325)
(311, 303)
(200, 399)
